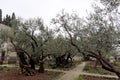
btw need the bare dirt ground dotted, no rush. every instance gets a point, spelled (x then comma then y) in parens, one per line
(14, 75)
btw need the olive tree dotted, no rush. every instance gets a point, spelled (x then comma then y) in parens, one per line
(35, 35)
(28, 39)
(61, 51)
(94, 37)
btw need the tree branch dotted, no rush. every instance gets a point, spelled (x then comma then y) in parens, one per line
(71, 40)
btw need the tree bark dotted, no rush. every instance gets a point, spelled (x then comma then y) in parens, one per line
(41, 67)
(2, 56)
(41, 63)
(105, 64)
(67, 59)
(96, 63)
(26, 63)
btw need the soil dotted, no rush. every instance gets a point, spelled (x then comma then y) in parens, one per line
(14, 75)
(96, 78)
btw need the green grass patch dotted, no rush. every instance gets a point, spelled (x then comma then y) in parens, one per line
(5, 68)
(51, 79)
(87, 77)
(117, 64)
(79, 78)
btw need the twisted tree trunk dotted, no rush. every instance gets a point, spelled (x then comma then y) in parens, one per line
(68, 58)
(41, 63)
(2, 56)
(104, 63)
(26, 63)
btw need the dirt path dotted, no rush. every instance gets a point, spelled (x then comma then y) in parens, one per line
(72, 74)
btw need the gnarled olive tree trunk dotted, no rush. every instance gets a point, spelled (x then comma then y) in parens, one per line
(41, 63)
(63, 59)
(104, 63)
(26, 63)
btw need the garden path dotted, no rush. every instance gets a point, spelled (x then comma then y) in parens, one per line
(72, 74)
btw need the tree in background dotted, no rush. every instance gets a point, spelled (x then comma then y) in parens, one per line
(9, 19)
(61, 51)
(13, 16)
(0, 15)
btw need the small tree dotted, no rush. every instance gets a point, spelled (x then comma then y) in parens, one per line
(13, 16)
(0, 15)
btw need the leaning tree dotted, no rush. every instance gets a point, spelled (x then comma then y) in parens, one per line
(95, 36)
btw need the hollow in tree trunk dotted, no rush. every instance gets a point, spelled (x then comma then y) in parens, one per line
(2, 56)
(26, 63)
